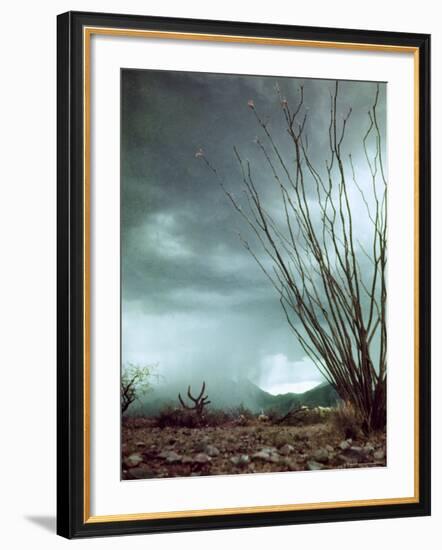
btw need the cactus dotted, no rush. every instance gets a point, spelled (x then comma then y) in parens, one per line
(199, 402)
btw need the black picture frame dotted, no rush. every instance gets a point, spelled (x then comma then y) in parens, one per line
(72, 520)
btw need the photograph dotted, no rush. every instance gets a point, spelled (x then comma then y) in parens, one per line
(253, 274)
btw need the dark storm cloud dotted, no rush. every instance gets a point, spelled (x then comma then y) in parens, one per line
(182, 259)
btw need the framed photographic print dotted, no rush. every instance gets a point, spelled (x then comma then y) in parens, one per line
(243, 274)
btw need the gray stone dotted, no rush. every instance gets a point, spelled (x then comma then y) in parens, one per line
(200, 446)
(240, 460)
(313, 465)
(261, 454)
(379, 455)
(286, 449)
(211, 450)
(269, 454)
(291, 463)
(270, 450)
(133, 460)
(202, 458)
(344, 445)
(355, 453)
(273, 458)
(141, 472)
(173, 457)
(321, 455)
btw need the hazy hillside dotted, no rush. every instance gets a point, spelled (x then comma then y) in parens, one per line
(228, 394)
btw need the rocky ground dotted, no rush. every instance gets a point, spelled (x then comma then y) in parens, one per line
(152, 452)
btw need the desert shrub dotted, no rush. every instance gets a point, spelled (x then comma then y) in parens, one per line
(243, 412)
(181, 418)
(273, 415)
(307, 417)
(137, 421)
(177, 418)
(217, 417)
(346, 420)
(302, 416)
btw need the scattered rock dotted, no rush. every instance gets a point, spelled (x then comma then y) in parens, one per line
(163, 454)
(261, 454)
(280, 439)
(269, 454)
(286, 449)
(201, 446)
(291, 463)
(379, 455)
(141, 472)
(313, 465)
(202, 458)
(273, 458)
(211, 450)
(173, 457)
(152, 452)
(321, 455)
(240, 460)
(133, 460)
(355, 454)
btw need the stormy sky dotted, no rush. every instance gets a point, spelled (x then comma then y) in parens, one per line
(194, 301)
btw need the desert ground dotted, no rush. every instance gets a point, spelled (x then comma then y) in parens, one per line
(311, 439)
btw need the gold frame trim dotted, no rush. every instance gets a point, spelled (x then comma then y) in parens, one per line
(87, 34)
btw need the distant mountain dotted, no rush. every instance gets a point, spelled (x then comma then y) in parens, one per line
(229, 394)
(323, 395)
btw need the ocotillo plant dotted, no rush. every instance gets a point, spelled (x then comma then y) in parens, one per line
(332, 287)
